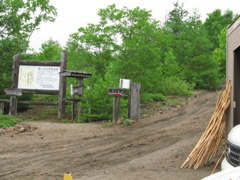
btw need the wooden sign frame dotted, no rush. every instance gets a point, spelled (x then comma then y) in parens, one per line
(13, 92)
(16, 66)
(62, 81)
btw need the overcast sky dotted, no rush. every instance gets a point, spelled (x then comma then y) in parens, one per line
(73, 14)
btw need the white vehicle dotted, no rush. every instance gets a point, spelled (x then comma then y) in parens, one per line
(232, 157)
(231, 163)
(231, 174)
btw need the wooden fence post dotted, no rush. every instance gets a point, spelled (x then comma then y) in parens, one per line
(62, 87)
(13, 106)
(115, 108)
(15, 71)
(2, 107)
(135, 101)
(79, 108)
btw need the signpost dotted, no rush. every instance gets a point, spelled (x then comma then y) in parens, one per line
(74, 101)
(116, 93)
(75, 89)
(134, 99)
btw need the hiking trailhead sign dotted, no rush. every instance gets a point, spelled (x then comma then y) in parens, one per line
(39, 77)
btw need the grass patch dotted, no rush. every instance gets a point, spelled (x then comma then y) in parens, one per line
(150, 98)
(8, 121)
(174, 101)
(107, 123)
(127, 122)
(27, 117)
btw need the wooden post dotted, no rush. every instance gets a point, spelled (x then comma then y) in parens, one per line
(13, 106)
(73, 109)
(129, 102)
(2, 108)
(72, 102)
(80, 82)
(115, 108)
(15, 71)
(116, 93)
(62, 87)
(135, 101)
(79, 109)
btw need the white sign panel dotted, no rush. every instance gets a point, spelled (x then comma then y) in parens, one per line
(125, 83)
(38, 77)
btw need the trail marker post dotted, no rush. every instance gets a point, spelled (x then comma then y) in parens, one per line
(75, 89)
(134, 99)
(116, 93)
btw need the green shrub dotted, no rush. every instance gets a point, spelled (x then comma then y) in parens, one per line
(175, 86)
(93, 117)
(95, 103)
(127, 122)
(24, 97)
(8, 121)
(149, 97)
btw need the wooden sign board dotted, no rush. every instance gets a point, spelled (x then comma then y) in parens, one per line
(13, 92)
(116, 92)
(39, 77)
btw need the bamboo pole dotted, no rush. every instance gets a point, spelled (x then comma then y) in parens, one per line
(210, 141)
(221, 157)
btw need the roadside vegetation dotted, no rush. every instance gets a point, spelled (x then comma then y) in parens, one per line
(170, 58)
(8, 121)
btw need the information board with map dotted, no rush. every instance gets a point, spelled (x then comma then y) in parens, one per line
(39, 77)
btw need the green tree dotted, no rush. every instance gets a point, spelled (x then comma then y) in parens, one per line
(171, 66)
(96, 103)
(220, 53)
(171, 80)
(192, 48)
(126, 38)
(123, 44)
(176, 18)
(18, 20)
(138, 50)
(50, 50)
(215, 22)
(95, 45)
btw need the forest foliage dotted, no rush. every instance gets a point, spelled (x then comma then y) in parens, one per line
(173, 57)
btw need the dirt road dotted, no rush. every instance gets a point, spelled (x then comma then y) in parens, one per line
(152, 148)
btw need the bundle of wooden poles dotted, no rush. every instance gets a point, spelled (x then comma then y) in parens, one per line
(210, 141)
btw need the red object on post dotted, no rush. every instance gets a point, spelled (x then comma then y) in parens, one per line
(117, 95)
